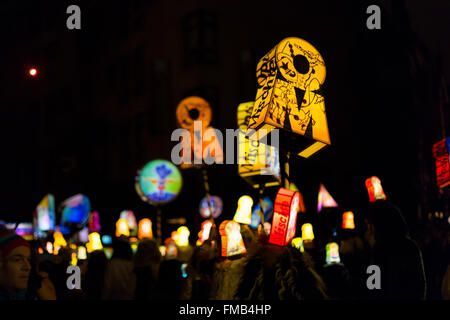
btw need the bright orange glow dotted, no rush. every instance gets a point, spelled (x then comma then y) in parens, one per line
(375, 190)
(232, 242)
(122, 228)
(203, 235)
(145, 229)
(59, 240)
(32, 72)
(348, 221)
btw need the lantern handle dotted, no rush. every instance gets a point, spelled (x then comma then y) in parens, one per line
(208, 196)
(158, 224)
(261, 212)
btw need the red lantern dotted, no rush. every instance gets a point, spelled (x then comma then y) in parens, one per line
(287, 204)
(232, 242)
(441, 154)
(375, 190)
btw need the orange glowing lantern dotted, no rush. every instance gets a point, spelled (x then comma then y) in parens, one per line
(122, 228)
(287, 204)
(244, 210)
(183, 236)
(348, 220)
(145, 229)
(307, 232)
(232, 242)
(441, 151)
(289, 97)
(375, 190)
(203, 235)
(332, 253)
(59, 242)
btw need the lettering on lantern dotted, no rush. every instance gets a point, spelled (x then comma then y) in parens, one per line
(287, 203)
(441, 156)
(231, 238)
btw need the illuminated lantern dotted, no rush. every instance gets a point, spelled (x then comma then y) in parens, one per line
(76, 211)
(44, 216)
(122, 228)
(332, 253)
(348, 221)
(145, 229)
(441, 151)
(258, 162)
(158, 182)
(307, 232)
(231, 238)
(59, 240)
(375, 189)
(174, 236)
(183, 236)
(94, 222)
(94, 242)
(32, 72)
(325, 200)
(108, 252)
(106, 239)
(162, 250)
(267, 212)
(289, 96)
(244, 210)
(73, 246)
(171, 251)
(82, 255)
(203, 235)
(298, 243)
(83, 235)
(131, 219)
(74, 260)
(25, 230)
(216, 205)
(49, 247)
(287, 204)
(41, 251)
(193, 109)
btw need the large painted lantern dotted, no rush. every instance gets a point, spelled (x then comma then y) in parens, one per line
(159, 182)
(75, 212)
(375, 190)
(332, 253)
(244, 210)
(216, 205)
(287, 205)
(44, 216)
(258, 162)
(289, 97)
(145, 229)
(231, 238)
(441, 151)
(348, 220)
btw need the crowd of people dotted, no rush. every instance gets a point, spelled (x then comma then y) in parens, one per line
(409, 269)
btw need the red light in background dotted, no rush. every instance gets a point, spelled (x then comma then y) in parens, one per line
(32, 72)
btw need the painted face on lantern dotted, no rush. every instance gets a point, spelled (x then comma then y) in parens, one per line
(15, 269)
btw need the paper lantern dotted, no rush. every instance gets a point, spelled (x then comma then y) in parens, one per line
(108, 252)
(307, 232)
(325, 200)
(94, 222)
(83, 235)
(94, 243)
(332, 253)
(441, 151)
(106, 239)
(25, 230)
(289, 96)
(82, 255)
(159, 182)
(145, 229)
(76, 211)
(203, 235)
(49, 247)
(193, 109)
(183, 236)
(216, 205)
(171, 251)
(287, 203)
(258, 162)
(267, 212)
(74, 260)
(375, 190)
(348, 221)
(231, 239)
(122, 228)
(244, 210)
(298, 243)
(131, 219)
(45, 215)
(59, 240)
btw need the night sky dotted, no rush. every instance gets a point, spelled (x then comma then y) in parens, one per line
(381, 95)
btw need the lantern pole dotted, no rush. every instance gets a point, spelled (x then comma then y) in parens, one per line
(286, 170)
(261, 212)
(206, 184)
(158, 224)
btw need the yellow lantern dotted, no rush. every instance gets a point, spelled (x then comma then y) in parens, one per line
(122, 228)
(59, 242)
(145, 229)
(307, 232)
(288, 97)
(74, 260)
(183, 236)
(348, 221)
(332, 253)
(258, 162)
(95, 243)
(82, 255)
(298, 243)
(232, 242)
(244, 210)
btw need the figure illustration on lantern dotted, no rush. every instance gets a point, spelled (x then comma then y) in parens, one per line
(162, 194)
(235, 244)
